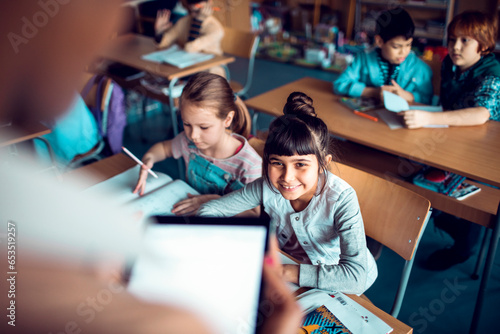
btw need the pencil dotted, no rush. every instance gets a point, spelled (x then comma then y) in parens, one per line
(199, 5)
(362, 114)
(138, 161)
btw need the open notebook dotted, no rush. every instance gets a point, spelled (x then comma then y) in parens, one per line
(334, 312)
(159, 198)
(175, 56)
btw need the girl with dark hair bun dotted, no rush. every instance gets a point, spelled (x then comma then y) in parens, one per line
(316, 214)
(217, 161)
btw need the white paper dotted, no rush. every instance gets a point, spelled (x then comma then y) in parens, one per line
(213, 270)
(394, 103)
(158, 199)
(119, 188)
(161, 201)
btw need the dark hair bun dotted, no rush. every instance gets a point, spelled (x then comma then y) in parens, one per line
(299, 104)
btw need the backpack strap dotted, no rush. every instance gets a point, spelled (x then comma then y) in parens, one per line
(96, 110)
(105, 103)
(88, 86)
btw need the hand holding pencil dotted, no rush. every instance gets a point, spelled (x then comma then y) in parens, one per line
(146, 166)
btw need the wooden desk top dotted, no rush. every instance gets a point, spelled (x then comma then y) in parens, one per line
(101, 170)
(25, 132)
(470, 151)
(128, 49)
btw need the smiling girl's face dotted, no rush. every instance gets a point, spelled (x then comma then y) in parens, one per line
(295, 177)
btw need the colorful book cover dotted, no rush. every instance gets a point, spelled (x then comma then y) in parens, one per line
(336, 313)
(322, 321)
(361, 104)
(465, 190)
(437, 180)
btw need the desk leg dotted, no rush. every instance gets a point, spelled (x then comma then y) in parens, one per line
(255, 117)
(228, 74)
(482, 253)
(173, 111)
(173, 115)
(486, 273)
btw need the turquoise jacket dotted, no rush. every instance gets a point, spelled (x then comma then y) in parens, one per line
(414, 76)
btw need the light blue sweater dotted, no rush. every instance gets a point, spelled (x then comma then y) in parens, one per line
(330, 230)
(414, 76)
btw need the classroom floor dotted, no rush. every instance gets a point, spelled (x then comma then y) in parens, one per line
(435, 302)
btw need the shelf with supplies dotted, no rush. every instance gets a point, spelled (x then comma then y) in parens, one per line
(301, 51)
(431, 17)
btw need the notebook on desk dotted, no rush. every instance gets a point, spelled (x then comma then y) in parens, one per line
(159, 198)
(175, 56)
(361, 103)
(394, 104)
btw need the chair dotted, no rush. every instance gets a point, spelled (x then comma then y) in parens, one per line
(393, 215)
(435, 65)
(242, 44)
(92, 99)
(256, 143)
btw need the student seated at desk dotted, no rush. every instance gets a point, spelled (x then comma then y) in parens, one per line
(197, 32)
(391, 66)
(316, 214)
(470, 95)
(217, 161)
(62, 283)
(470, 75)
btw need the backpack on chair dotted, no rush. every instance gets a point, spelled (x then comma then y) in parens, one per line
(106, 101)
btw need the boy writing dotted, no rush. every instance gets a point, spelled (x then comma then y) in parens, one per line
(391, 66)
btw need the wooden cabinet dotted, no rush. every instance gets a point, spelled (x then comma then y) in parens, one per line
(431, 17)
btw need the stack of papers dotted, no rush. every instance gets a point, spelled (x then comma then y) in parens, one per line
(175, 56)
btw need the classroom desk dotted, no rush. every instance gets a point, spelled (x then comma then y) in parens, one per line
(470, 151)
(101, 170)
(104, 169)
(128, 49)
(26, 132)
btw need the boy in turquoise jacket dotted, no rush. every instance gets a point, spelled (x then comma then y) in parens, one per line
(390, 66)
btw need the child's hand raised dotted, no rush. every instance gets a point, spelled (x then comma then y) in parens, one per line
(143, 175)
(162, 22)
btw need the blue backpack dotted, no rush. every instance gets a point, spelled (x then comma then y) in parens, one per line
(109, 112)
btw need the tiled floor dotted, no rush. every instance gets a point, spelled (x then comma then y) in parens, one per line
(435, 302)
